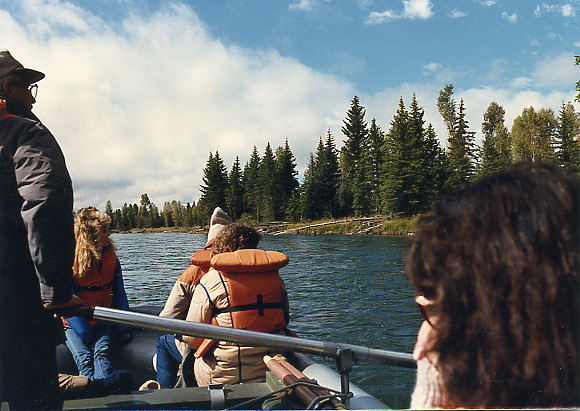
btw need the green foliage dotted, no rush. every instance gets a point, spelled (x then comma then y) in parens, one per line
(497, 146)
(401, 172)
(215, 184)
(533, 135)
(566, 138)
(577, 63)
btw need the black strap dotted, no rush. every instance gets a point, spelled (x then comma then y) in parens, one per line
(93, 287)
(260, 306)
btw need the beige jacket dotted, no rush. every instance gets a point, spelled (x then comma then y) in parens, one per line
(220, 365)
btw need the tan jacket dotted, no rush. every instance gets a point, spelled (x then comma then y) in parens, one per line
(221, 364)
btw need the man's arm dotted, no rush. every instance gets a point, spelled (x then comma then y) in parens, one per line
(46, 188)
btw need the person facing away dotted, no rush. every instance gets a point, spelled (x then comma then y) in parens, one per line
(242, 290)
(98, 281)
(496, 271)
(170, 349)
(36, 245)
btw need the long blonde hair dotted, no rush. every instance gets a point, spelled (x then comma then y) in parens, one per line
(89, 251)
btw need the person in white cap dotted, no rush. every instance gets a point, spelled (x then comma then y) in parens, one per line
(37, 245)
(171, 349)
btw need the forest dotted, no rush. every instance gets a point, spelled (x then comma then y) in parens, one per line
(401, 171)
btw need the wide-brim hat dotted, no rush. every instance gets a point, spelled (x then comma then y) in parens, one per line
(9, 65)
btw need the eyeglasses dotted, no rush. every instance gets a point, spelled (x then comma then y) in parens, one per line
(32, 88)
(428, 308)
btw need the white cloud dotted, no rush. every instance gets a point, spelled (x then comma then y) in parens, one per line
(557, 71)
(376, 17)
(577, 44)
(566, 10)
(432, 67)
(488, 3)
(417, 9)
(305, 5)
(455, 13)
(521, 82)
(512, 18)
(412, 9)
(138, 108)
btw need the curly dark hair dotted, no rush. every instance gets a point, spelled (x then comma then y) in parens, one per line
(235, 237)
(501, 258)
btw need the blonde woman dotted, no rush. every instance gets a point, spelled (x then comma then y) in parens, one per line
(98, 281)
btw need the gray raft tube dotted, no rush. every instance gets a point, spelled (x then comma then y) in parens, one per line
(323, 374)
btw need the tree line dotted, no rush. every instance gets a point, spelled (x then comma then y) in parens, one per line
(398, 172)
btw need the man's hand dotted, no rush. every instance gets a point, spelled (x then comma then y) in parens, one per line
(72, 308)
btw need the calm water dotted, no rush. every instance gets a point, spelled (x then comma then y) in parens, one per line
(341, 288)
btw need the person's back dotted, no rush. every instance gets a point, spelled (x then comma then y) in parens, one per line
(243, 290)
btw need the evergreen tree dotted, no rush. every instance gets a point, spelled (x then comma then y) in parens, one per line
(436, 167)
(235, 192)
(286, 173)
(251, 183)
(215, 183)
(376, 143)
(497, 150)
(269, 186)
(567, 135)
(144, 214)
(309, 194)
(327, 174)
(447, 107)
(461, 153)
(354, 160)
(412, 169)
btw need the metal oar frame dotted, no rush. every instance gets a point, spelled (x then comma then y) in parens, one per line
(345, 355)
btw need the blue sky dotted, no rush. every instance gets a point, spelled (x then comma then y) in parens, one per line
(138, 92)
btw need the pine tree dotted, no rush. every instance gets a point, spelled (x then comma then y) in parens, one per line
(376, 143)
(497, 150)
(269, 185)
(567, 136)
(354, 158)
(285, 169)
(447, 107)
(327, 174)
(309, 195)
(251, 183)
(215, 183)
(235, 192)
(461, 152)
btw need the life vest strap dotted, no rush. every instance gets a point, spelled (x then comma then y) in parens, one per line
(259, 306)
(93, 288)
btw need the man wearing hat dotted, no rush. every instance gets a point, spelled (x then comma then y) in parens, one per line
(36, 244)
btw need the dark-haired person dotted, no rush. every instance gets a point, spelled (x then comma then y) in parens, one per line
(496, 272)
(37, 244)
(242, 290)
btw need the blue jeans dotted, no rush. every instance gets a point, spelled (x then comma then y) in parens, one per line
(93, 361)
(168, 360)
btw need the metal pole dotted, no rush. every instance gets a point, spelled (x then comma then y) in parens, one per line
(252, 338)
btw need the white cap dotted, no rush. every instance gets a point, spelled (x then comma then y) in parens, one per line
(219, 219)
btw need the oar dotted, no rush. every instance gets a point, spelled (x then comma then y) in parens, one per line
(251, 338)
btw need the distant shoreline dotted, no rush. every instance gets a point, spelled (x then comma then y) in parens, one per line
(379, 225)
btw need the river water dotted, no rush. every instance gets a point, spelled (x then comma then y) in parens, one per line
(348, 289)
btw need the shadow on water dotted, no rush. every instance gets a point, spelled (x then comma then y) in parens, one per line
(349, 289)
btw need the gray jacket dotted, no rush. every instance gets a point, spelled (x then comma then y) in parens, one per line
(36, 229)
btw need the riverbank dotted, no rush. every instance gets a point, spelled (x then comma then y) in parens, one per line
(378, 225)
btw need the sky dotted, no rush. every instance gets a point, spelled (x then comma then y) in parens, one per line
(139, 92)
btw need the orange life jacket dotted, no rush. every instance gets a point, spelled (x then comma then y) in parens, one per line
(96, 286)
(200, 265)
(253, 289)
